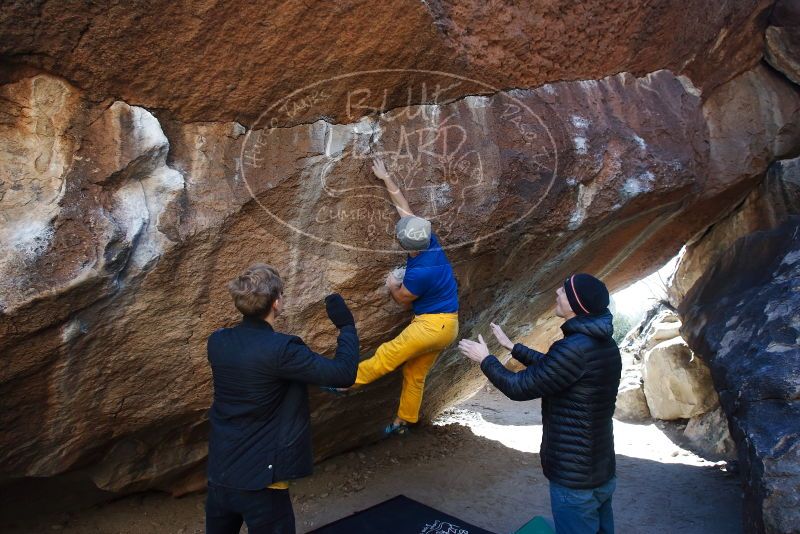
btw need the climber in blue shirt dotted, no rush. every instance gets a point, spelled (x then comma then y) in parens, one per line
(429, 288)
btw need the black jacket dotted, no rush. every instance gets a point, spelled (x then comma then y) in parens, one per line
(577, 380)
(260, 423)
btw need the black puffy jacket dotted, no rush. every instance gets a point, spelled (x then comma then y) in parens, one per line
(260, 421)
(577, 380)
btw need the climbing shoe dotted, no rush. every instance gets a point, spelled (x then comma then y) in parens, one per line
(395, 429)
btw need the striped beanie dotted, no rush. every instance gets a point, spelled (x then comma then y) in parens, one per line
(586, 294)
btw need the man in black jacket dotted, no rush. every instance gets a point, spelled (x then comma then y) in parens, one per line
(577, 380)
(260, 428)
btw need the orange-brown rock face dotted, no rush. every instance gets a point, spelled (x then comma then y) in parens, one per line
(214, 60)
(149, 156)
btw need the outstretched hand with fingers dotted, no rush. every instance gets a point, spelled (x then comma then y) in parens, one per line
(501, 336)
(379, 169)
(398, 199)
(477, 351)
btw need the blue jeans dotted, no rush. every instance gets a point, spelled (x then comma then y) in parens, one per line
(267, 511)
(583, 511)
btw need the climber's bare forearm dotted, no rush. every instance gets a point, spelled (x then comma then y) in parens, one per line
(398, 199)
(402, 296)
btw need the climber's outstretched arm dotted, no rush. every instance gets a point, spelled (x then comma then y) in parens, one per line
(398, 199)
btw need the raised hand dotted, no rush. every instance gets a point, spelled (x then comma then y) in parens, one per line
(379, 169)
(475, 351)
(399, 201)
(501, 336)
(392, 280)
(338, 312)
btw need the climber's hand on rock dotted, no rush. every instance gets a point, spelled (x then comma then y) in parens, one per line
(338, 312)
(477, 351)
(392, 282)
(379, 169)
(501, 336)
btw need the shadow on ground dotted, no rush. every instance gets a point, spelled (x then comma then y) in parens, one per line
(487, 481)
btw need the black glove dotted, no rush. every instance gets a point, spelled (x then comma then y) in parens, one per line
(338, 311)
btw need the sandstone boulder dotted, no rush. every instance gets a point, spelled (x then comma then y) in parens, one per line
(150, 152)
(631, 402)
(665, 327)
(145, 221)
(228, 61)
(677, 384)
(659, 323)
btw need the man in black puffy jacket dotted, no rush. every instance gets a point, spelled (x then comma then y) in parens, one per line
(577, 380)
(260, 425)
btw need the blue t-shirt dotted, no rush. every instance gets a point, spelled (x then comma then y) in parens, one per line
(430, 277)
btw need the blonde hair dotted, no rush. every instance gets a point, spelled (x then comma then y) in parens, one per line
(255, 290)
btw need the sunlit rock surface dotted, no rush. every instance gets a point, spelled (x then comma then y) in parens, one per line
(677, 385)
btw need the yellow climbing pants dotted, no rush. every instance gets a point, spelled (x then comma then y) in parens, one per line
(416, 349)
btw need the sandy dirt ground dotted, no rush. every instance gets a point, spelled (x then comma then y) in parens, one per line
(478, 462)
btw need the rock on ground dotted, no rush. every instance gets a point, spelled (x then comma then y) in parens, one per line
(631, 401)
(658, 324)
(709, 433)
(677, 384)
